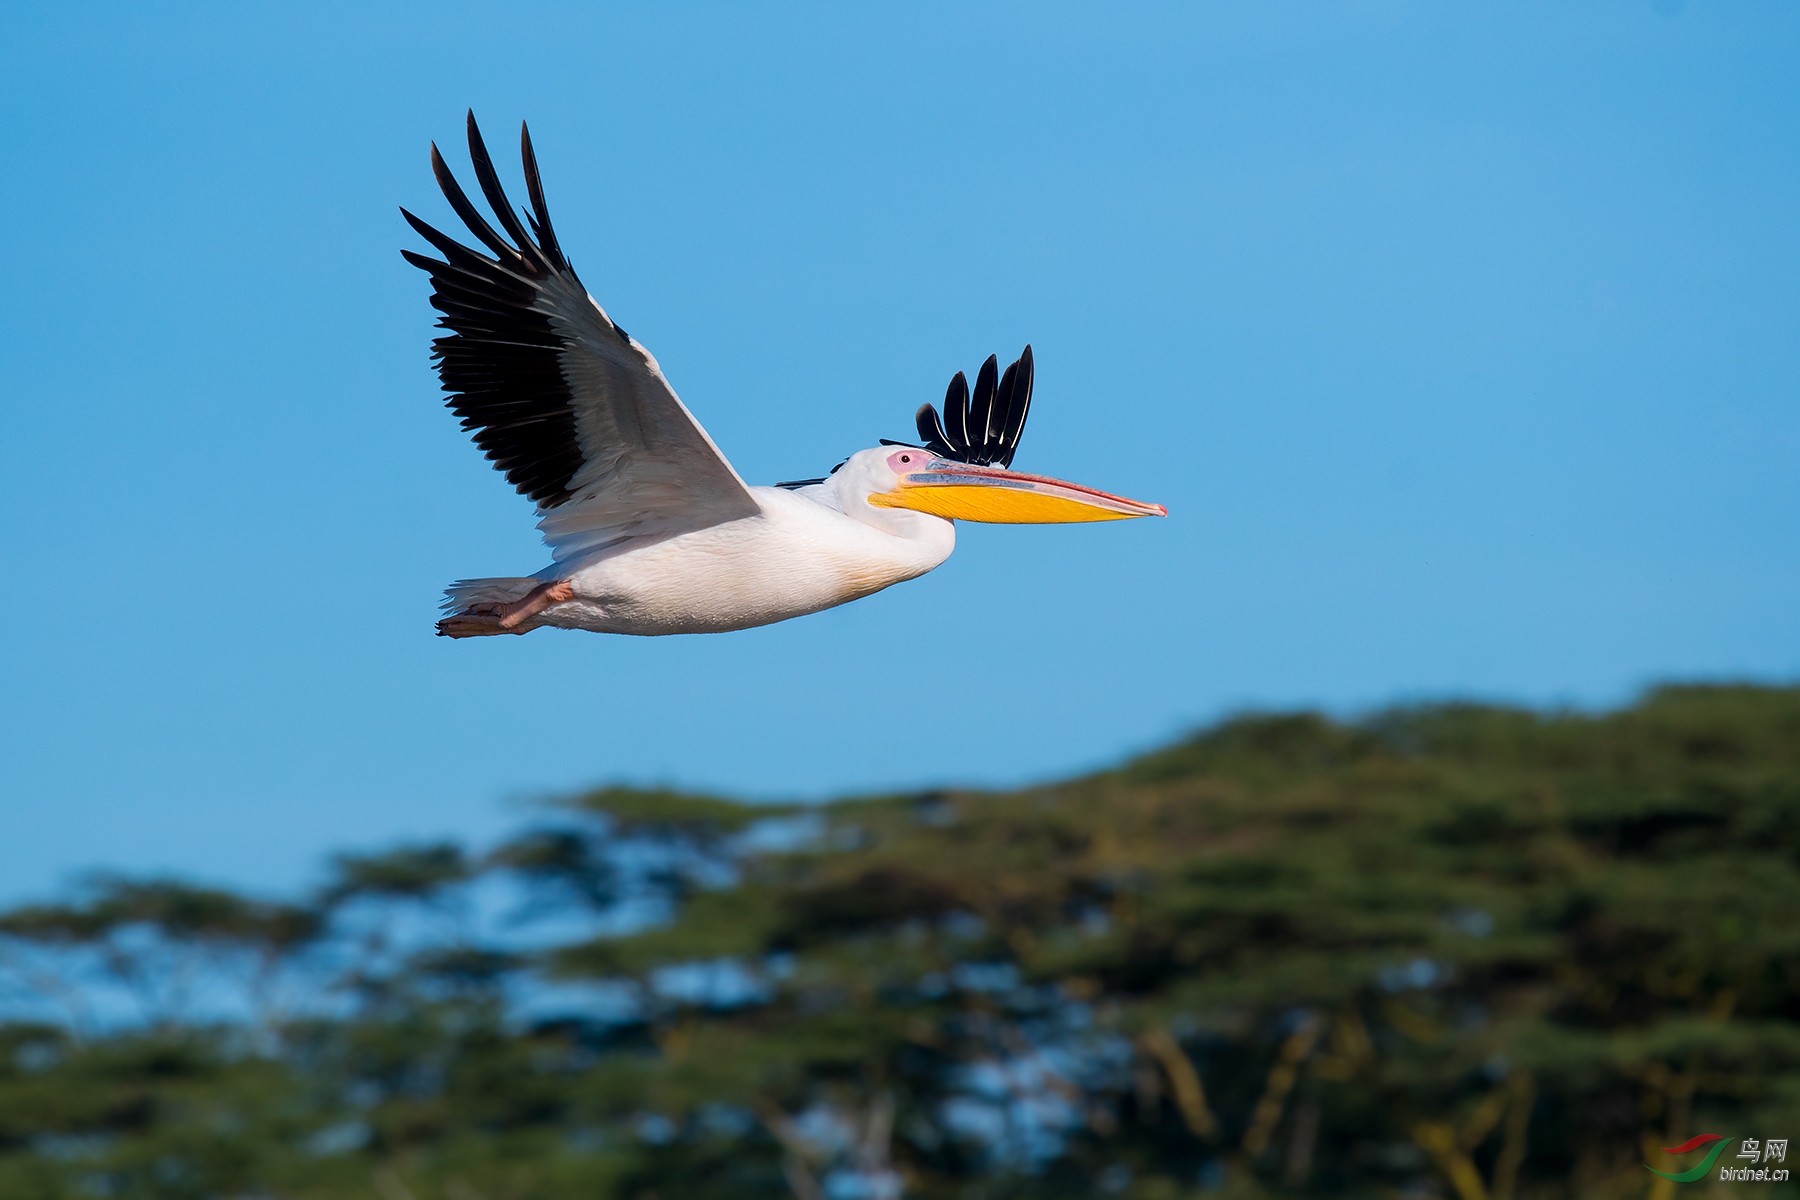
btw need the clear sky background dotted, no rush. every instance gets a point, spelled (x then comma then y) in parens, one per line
(1462, 342)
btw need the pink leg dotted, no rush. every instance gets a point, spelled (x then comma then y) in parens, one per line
(486, 620)
(536, 601)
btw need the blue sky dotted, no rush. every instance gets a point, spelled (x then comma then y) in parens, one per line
(1460, 341)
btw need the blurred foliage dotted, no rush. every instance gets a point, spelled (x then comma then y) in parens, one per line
(635, 809)
(1451, 951)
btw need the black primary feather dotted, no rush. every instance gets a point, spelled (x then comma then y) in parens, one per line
(956, 418)
(931, 430)
(501, 361)
(1002, 401)
(982, 429)
(1018, 406)
(540, 212)
(980, 404)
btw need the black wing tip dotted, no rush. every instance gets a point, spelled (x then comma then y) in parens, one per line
(419, 225)
(540, 211)
(499, 362)
(532, 251)
(999, 405)
(1023, 374)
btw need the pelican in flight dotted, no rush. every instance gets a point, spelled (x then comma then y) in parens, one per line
(650, 529)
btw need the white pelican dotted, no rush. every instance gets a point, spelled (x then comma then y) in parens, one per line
(650, 529)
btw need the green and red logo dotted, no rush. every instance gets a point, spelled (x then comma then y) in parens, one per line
(1751, 1151)
(1718, 1140)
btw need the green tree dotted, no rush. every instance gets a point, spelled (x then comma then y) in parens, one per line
(1444, 951)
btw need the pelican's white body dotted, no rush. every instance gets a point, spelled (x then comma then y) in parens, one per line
(799, 556)
(807, 549)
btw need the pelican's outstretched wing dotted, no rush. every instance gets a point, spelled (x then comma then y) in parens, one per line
(984, 428)
(576, 413)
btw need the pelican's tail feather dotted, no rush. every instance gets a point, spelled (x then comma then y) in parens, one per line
(465, 594)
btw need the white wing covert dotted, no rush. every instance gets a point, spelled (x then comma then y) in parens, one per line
(563, 401)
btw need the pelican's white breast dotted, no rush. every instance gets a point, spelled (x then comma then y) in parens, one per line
(796, 556)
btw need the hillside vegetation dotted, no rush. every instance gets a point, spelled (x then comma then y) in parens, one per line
(1447, 951)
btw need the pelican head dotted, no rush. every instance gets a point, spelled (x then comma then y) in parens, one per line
(961, 471)
(914, 478)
